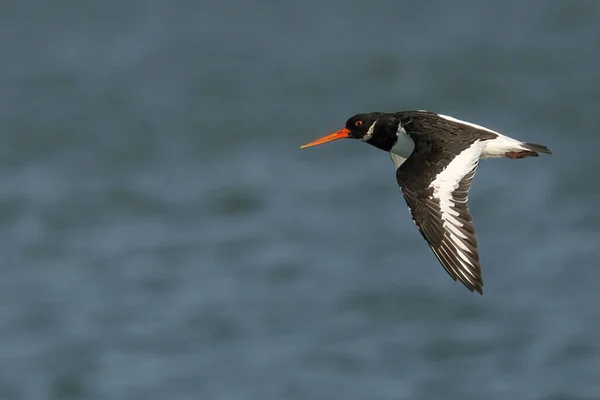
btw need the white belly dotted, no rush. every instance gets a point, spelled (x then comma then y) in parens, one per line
(403, 148)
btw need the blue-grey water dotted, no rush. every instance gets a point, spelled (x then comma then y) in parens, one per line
(162, 236)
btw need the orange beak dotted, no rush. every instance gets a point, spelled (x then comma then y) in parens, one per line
(341, 134)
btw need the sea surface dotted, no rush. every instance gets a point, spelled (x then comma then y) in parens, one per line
(163, 237)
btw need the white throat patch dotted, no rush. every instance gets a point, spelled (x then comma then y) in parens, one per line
(369, 134)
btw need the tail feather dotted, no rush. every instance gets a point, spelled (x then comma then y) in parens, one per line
(537, 148)
(504, 146)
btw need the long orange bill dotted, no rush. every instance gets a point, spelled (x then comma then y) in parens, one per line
(341, 134)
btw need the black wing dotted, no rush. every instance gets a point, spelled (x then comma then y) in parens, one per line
(435, 181)
(449, 233)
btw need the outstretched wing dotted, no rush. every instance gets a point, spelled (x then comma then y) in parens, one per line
(437, 198)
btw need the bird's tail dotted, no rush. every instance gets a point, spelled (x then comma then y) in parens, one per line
(527, 150)
(504, 146)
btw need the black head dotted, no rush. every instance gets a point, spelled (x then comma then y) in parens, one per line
(376, 128)
(362, 126)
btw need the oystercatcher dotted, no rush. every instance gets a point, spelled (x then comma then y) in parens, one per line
(436, 157)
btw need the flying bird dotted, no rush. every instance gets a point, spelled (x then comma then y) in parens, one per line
(436, 157)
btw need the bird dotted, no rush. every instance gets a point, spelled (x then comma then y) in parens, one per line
(436, 157)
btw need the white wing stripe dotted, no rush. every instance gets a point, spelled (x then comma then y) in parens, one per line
(443, 186)
(454, 221)
(463, 271)
(448, 180)
(453, 229)
(459, 242)
(466, 263)
(451, 210)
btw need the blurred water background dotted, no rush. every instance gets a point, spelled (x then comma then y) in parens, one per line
(163, 237)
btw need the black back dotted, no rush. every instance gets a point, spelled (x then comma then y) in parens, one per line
(437, 142)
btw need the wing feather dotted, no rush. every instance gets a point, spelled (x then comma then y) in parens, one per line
(440, 211)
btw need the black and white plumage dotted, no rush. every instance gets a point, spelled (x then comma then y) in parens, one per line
(436, 158)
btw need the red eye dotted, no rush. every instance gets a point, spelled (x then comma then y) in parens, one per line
(358, 123)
